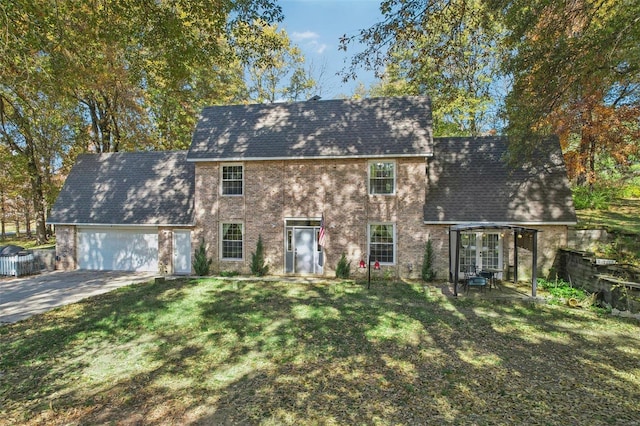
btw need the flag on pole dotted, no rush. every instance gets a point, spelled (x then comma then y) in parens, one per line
(322, 232)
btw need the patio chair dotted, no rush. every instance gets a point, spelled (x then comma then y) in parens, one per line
(478, 282)
(490, 278)
(473, 279)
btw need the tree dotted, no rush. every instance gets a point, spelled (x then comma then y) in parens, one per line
(201, 263)
(31, 128)
(576, 72)
(274, 67)
(91, 76)
(446, 50)
(343, 268)
(571, 68)
(427, 273)
(259, 267)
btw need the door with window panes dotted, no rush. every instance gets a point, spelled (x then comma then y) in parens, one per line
(480, 249)
(303, 254)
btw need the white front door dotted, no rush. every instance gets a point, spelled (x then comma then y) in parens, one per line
(182, 252)
(304, 243)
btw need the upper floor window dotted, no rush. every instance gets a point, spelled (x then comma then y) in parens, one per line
(232, 240)
(382, 177)
(232, 179)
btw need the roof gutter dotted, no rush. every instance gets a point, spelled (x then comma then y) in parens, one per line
(489, 224)
(324, 157)
(125, 225)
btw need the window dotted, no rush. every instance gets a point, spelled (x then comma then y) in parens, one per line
(382, 177)
(382, 242)
(232, 180)
(232, 241)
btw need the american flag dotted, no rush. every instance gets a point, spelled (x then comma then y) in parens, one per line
(321, 235)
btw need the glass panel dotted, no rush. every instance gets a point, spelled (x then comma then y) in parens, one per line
(490, 251)
(381, 178)
(232, 180)
(467, 251)
(302, 222)
(232, 241)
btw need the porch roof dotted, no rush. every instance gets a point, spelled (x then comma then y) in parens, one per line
(472, 226)
(532, 245)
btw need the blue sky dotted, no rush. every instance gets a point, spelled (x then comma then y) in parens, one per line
(316, 27)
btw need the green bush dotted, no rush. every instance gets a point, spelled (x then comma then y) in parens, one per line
(343, 269)
(630, 191)
(428, 274)
(561, 289)
(596, 197)
(201, 264)
(258, 266)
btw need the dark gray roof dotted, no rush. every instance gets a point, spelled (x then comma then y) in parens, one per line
(376, 127)
(470, 182)
(133, 188)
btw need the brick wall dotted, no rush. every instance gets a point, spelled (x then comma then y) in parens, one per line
(165, 250)
(275, 190)
(66, 248)
(551, 238)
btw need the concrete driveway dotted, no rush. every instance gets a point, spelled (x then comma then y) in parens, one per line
(25, 296)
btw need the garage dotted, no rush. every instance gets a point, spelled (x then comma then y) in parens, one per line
(118, 249)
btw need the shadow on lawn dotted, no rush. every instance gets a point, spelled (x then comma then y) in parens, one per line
(283, 353)
(447, 366)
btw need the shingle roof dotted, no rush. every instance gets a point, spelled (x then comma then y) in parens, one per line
(375, 127)
(133, 188)
(470, 182)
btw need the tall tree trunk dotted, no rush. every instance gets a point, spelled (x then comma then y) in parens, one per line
(38, 207)
(3, 212)
(587, 147)
(37, 194)
(27, 218)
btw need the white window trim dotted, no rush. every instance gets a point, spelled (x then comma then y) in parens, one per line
(222, 166)
(395, 241)
(395, 177)
(231, 259)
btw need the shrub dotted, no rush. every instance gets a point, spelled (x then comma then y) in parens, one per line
(428, 274)
(258, 266)
(561, 289)
(201, 264)
(343, 269)
(595, 197)
(630, 191)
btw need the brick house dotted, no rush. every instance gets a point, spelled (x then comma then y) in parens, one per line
(368, 173)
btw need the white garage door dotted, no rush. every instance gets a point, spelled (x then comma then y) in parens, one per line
(118, 249)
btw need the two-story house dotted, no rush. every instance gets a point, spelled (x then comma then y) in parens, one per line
(314, 180)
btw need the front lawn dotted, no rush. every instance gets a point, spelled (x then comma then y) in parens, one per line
(237, 352)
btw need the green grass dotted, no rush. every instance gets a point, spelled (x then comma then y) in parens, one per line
(622, 216)
(250, 352)
(622, 219)
(27, 243)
